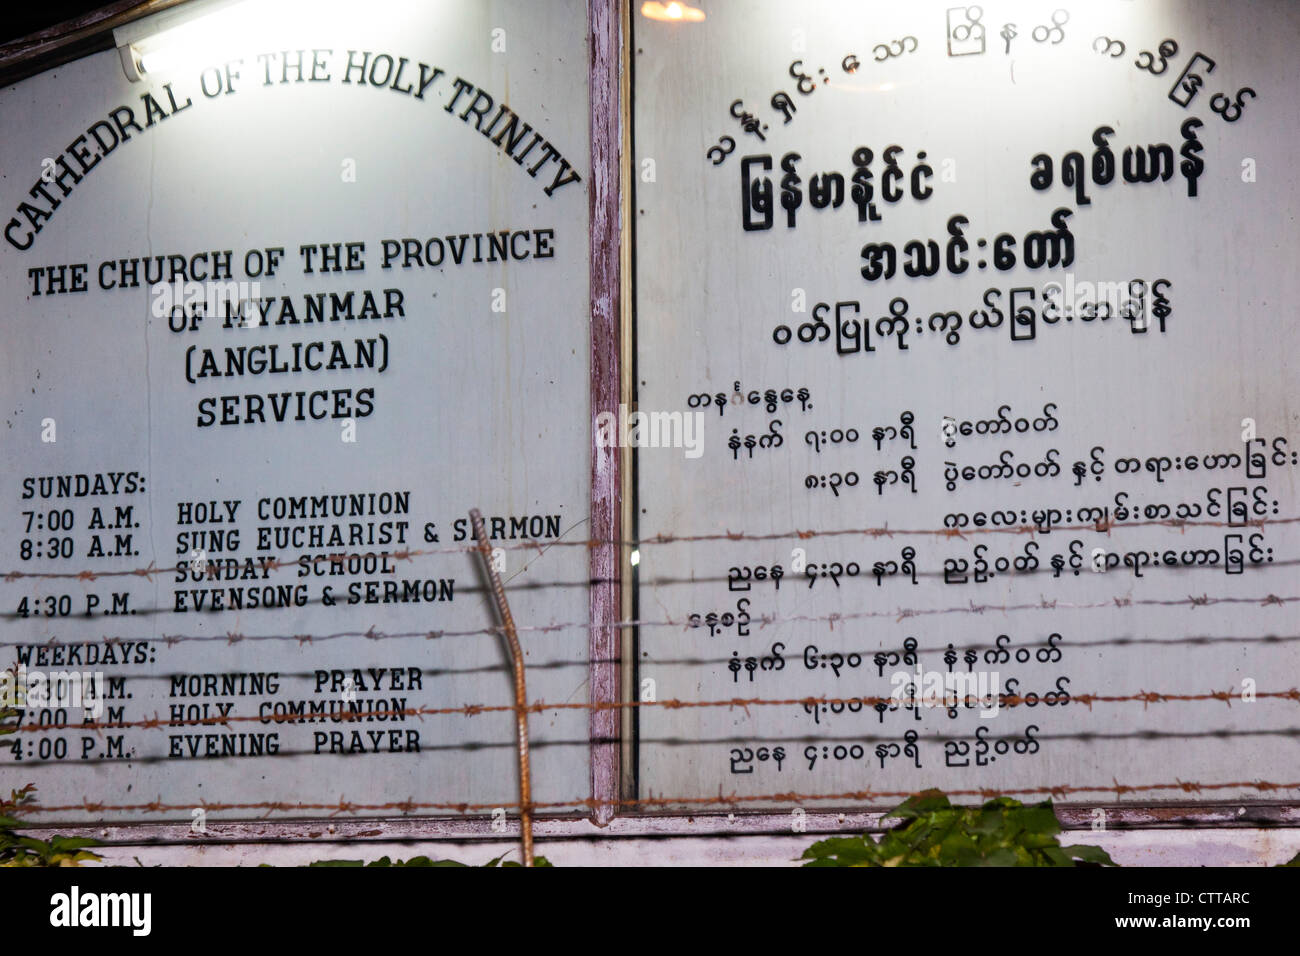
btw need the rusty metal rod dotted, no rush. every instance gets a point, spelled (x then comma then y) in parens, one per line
(521, 695)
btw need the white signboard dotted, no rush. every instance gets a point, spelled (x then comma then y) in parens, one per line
(987, 314)
(276, 317)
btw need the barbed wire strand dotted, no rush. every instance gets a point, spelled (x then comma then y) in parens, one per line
(1146, 698)
(542, 544)
(980, 647)
(762, 620)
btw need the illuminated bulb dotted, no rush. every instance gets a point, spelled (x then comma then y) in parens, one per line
(635, 559)
(674, 12)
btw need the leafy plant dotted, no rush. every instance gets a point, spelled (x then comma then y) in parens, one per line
(1003, 832)
(17, 850)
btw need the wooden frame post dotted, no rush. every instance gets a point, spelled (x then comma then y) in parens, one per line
(604, 36)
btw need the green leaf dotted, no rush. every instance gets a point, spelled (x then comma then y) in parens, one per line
(1037, 820)
(928, 801)
(71, 843)
(1001, 832)
(1005, 856)
(1090, 854)
(1057, 856)
(843, 851)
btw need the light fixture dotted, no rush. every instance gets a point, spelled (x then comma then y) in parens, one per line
(635, 558)
(671, 12)
(155, 42)
(208, 31)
